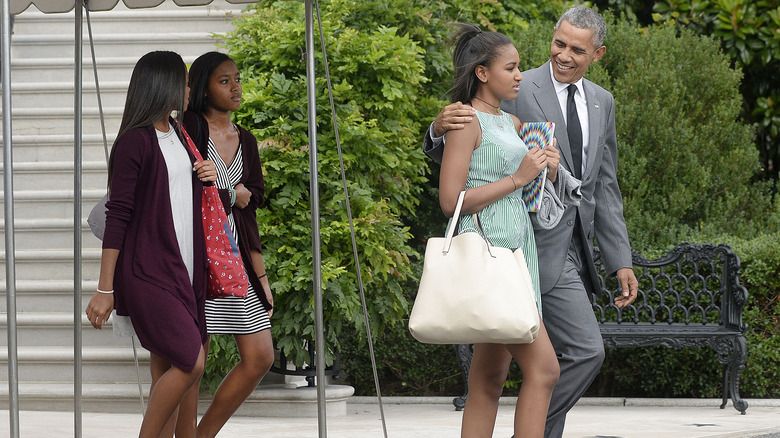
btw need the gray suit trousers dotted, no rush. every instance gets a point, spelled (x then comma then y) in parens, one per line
(575, 335)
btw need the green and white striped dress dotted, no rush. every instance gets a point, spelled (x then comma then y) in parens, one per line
(506, 222)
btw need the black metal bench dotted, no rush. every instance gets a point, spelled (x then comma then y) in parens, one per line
(690, 297)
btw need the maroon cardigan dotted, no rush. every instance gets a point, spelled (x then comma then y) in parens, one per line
(252, 178)
(151, 283)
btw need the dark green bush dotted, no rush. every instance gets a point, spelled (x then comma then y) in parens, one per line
(404, 366)
(377, 82)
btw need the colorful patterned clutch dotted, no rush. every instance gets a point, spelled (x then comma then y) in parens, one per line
(536, 134)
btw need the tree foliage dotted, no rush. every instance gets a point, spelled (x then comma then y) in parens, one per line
(749, 33)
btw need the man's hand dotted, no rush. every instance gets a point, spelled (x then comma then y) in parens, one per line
(630, 286)
(553, 159)
(453, 116)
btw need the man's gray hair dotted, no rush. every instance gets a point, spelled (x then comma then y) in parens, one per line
(586, 18)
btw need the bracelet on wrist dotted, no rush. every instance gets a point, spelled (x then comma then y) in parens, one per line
(513, 181)
(232, 196)
(105, 291)
(261, 276)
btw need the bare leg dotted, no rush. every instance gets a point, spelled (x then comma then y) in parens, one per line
(489, 368)
(540, 369)
(257, 356)
(158, 367)
(167, 393)
(187, 416)
(187, 413)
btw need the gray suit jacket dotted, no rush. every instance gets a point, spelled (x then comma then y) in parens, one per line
(601, 207)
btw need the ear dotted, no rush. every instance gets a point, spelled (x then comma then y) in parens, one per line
(599, 53)
(481, 72)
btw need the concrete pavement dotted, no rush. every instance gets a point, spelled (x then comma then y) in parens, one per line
(414, 417)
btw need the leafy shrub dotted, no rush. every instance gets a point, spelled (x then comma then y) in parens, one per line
(223, 354)
(748, 32)
(404, 366)
(377, 79)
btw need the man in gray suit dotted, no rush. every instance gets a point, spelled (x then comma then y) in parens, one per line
(584, 116)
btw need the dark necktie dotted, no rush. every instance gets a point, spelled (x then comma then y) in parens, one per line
(574, 130)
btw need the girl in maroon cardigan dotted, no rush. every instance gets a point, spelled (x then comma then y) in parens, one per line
(215, 91)
(153, 266)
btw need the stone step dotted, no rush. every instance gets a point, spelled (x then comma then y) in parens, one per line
(44, 295)
(96, 397)
(42, 95)
(116, 68)
(59, 147)
(54, 264)
(40, 329)
(59, 94)
(60, 69)
(266, 401)
(59, 120)
(54, 175)
(32, 204)
(99, 364)
(145, 21)
(129, 44)
(47, 233)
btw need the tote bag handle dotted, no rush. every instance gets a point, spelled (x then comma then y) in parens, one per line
(456, 218)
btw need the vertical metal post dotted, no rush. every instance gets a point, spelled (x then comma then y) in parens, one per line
(77, 244)
(319, 344)
(10, 246)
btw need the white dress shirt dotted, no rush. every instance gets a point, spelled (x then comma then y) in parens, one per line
(562, 92)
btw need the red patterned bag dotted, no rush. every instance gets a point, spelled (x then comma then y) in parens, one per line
(227, 276)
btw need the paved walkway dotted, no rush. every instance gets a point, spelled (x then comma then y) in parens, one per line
(427, 418)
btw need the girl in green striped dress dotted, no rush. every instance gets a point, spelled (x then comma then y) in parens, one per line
(491, 162)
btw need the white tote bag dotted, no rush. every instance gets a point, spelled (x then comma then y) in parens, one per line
(473, 292)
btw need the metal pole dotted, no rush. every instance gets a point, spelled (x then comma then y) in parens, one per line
(319, 344)
(77, 244)
(10, 246)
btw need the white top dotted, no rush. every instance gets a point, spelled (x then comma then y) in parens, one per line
(180, 188)
(562, 92)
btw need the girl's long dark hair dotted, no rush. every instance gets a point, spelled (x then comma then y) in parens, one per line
(473, 47)
(157, 87)
(200, 71)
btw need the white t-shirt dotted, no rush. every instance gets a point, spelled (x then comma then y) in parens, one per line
(180, 188)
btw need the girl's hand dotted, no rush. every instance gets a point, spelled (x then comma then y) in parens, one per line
(532, 165)
(99, 309)
(206, 170)
(243, 195)
(268, 294)
(553, 159)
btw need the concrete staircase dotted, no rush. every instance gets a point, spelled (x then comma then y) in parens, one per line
(42, 95)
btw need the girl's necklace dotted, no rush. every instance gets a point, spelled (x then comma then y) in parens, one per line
(500, 119)
(168, 135)
(497, 109)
